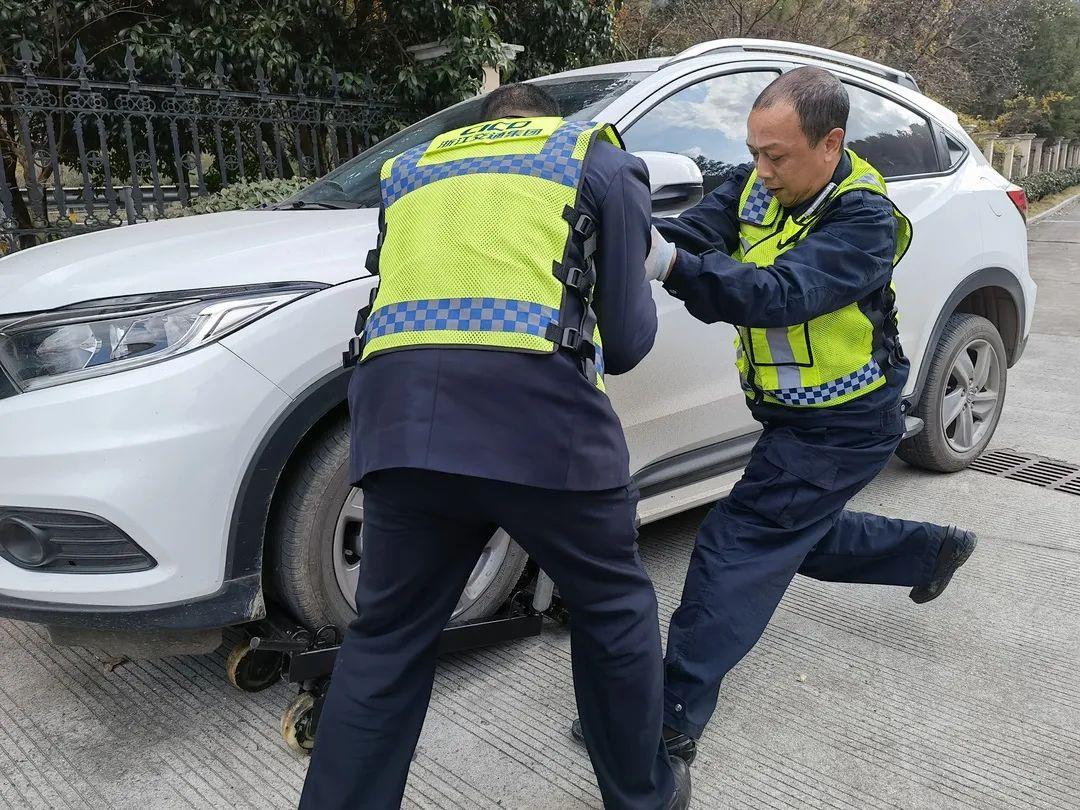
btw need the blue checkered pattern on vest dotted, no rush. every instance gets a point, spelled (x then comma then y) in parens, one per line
(553, 162)
(756, 205)
(466, 315)
(461, 314)
(816, 395)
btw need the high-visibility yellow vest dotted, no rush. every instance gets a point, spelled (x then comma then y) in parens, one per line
(474, 242)
(836, 357)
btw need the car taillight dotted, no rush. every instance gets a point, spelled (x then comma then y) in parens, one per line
(1019, 199)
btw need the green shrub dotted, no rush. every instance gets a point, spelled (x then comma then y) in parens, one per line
(1043, 184)
(240, 196)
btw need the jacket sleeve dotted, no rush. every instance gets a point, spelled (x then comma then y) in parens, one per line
(623, 302)
(844, 259)
(713, 223)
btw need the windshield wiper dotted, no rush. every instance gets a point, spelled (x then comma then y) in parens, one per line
(296, 205)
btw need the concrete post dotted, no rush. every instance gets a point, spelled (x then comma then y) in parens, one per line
(1037, 154)
(1059, 154)
(1024, 145)
(1010, 157)
(433, 50)
(491, 74)
(985, 140)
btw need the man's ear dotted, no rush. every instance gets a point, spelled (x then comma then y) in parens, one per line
(834, 141)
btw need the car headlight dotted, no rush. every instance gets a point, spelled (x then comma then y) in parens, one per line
(110, 335)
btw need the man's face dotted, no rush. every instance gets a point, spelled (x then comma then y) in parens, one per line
(792, 169)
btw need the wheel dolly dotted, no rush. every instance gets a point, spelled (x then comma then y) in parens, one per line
(283, 650)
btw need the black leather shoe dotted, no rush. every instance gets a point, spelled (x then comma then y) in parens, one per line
(681, 771)
(955, 550)
(679, 745)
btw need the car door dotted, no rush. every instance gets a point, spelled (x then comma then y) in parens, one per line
(902, 143)
(685, 395)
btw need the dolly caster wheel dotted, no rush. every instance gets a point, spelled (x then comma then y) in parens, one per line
(297, 724)
(253, 670)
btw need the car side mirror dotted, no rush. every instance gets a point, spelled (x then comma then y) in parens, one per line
(675, 180)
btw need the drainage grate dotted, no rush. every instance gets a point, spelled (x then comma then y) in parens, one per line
(1031, 469)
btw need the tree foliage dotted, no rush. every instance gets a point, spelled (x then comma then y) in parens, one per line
(1014, 65)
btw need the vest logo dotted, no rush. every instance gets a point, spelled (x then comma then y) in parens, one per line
(493, 131)
(497, 126)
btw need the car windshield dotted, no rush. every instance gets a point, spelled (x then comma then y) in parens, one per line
(356, 184)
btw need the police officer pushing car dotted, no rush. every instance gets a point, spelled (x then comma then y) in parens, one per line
(511, 284)
(797, 251)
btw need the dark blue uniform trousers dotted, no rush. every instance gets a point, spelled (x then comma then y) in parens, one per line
(423, 533)
(785, 516)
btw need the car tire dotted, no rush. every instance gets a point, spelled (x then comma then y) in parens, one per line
(303, 541)
(962, 398)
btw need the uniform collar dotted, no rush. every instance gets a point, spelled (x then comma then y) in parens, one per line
(843, 169)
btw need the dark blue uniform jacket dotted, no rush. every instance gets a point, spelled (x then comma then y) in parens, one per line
(522, 418)
(847, 257)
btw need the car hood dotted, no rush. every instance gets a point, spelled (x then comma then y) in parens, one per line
(211, 250)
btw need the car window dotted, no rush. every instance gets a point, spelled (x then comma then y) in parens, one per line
(896, 141)
(579, 98)
(705, 121)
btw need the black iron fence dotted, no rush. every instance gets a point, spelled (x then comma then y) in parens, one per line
(81, 154)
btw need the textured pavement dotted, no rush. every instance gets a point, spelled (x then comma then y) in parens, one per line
(855, 696)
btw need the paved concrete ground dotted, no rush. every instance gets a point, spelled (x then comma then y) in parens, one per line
(854, 698)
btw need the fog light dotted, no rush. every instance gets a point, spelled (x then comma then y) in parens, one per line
(24, 543)
(56, 541)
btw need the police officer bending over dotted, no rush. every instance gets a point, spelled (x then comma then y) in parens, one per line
(798, 253)
(511, 256)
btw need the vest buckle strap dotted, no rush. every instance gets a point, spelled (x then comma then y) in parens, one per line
(361, 319)
(585, 225)
(581, 222)
(351, 356)
(581, 281)
(571, 338)
(371, 263)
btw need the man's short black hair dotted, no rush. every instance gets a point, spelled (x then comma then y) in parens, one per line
(819, 99)
(518, 99)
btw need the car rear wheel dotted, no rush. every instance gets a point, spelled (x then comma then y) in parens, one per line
(963, 396)
(315, 549)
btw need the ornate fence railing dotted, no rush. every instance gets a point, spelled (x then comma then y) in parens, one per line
(81, 154)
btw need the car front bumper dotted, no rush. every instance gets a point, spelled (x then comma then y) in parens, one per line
(159, 452)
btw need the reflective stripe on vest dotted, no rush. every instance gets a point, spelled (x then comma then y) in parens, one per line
(462, 314)
(476, 224)
(834, 358)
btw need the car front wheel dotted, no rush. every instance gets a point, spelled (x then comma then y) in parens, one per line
(963, 396)
(315, 546)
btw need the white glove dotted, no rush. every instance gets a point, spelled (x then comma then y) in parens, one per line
(660, 259)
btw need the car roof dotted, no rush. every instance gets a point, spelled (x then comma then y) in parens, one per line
(723, 51)
(632, 66)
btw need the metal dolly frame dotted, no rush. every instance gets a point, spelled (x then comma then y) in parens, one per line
(280, 649)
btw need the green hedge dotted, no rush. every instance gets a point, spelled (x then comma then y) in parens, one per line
(1043, 184)
(240, 196)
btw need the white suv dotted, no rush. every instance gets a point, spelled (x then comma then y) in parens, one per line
(172, 400)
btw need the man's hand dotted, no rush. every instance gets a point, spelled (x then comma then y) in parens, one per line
(660, 259)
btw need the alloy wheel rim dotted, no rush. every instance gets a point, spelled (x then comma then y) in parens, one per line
(972, 396)
(348, 555)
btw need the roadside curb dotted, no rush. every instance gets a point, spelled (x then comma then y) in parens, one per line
(1039, 217)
